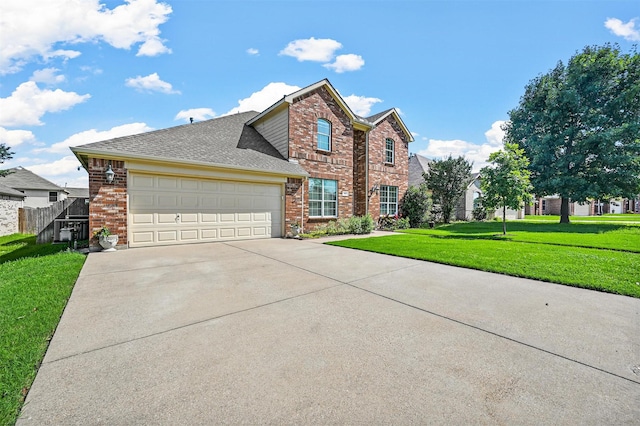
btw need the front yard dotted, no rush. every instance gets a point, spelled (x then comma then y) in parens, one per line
(35, 284)
(604, 257)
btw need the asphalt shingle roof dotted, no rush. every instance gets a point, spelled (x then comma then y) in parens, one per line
(5, 190)
(21, 178)
(225, 141)
(417, 165)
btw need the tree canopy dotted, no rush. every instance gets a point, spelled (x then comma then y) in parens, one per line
(447, 180)
(579, 126)
(506, 182)
(5, 154)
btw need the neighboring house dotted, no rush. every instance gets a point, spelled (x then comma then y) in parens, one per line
(302, 162)
(417, 166)
(551, 205)
(38, 191)
(11, 201)
(468, 201)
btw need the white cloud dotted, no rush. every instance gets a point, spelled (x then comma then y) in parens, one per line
(28, 103)
(619, 28)
(252, 51)
(198, 114)
(361, 105)
(312, 49)
(31, 28)
(47, 76)
(94, 135)
(264, 98)
(63, 172)
(151, 83)
(476, 153)
(495, 134)
(13, 138)
(344, 63)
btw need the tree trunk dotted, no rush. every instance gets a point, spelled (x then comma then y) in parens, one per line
(564, 210)
(504, 220)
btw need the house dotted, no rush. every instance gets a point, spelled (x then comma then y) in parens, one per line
(38, 191)
(469, 199)
(417, 166)
(305, 160)
(11, 200)
(550, 205)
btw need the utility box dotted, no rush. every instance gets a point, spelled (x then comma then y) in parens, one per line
(65, 234)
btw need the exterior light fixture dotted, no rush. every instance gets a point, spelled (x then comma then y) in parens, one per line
(373, 190)
(109, 174)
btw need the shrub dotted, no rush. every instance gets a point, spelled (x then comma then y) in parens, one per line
(391, 223)
(367, 224)
(415, 205)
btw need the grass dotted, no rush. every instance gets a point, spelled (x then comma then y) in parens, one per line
(604, 257)
(35, 284)
(627, 217)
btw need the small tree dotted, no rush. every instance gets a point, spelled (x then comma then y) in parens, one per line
(447, 180)
(5, 154)
(506, 183)
(415, 205)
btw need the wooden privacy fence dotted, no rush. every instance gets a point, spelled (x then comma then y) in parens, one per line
(40, 221)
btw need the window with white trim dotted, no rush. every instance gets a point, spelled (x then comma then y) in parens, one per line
(389, 151)
(323, 198)
(53, 196)
(388, 200)
(324, 135)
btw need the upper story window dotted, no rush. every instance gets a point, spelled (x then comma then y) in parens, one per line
(388, 200)
(323, 198)
(389, 151)
(324, 135)
(53, 196)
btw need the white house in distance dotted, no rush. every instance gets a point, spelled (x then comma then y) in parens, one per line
(38, 191)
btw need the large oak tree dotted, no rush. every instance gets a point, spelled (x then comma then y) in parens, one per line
(5, 154)
(579, 126)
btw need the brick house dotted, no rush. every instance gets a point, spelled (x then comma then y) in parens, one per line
(304, 161)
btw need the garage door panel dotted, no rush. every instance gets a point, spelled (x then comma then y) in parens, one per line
(166, 236)
(209, 218)
(142, 219)
(189, 218)
(167, 183)
(189, 234)
(175, 210)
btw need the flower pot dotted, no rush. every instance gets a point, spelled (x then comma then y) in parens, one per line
(108, 243)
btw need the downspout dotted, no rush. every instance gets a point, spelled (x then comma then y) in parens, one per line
(366, 173)
(302, 207)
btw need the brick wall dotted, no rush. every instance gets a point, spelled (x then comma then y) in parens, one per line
(336, 165)
(380, 173)
(108, 201)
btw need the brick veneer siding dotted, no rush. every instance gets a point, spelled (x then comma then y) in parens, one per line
(360, 190)
(396, 174)
(337, 165)
(108, 201)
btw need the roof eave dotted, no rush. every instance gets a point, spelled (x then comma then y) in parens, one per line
(130, 156)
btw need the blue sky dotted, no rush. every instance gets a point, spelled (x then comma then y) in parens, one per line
(78, 72)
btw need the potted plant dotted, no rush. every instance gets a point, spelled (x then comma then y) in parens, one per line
(106, 239)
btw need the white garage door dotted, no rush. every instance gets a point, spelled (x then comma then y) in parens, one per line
(175, 210)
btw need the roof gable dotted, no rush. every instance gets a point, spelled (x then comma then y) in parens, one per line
(381, 116)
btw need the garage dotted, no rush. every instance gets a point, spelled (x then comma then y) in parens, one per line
(166, 210)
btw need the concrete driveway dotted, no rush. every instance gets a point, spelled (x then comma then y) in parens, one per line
(285, 331)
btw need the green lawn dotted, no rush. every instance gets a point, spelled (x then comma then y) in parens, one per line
(35, 284)
(603, 257)
(627, 217)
